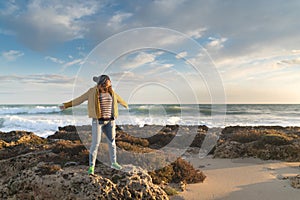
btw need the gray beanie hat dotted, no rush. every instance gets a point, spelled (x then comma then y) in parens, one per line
(100, 79)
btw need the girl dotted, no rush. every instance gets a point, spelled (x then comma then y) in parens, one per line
(103, 109)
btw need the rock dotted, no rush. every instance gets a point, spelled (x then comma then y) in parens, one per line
(118, 128)
(295, 181)
(167, 129)
(125, 137)
(171, 190)
(198, 140)
(173, 127)
(19, 137)
(56, 168)
(178, 171)
(203, 128)
(15, 143)
(45, 168)
(264, 142)
(281, 177)
(72, 133)
(76, 184)
(270, 168)
(230, 149)
(71, 163)
(161, 139)
(182, 186)
(61, 135)
(69, 128)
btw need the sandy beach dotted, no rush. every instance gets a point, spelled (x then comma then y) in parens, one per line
(247, 178)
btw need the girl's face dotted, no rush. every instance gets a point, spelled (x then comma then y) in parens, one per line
(108, 83)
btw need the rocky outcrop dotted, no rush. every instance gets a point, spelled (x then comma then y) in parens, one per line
(74, 183)
(178, 172)
(19, 142)
(269, 142)
(49, 174)
(71, 132)
(56, 168)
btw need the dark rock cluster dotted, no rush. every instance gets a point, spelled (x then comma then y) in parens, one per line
(264, 142)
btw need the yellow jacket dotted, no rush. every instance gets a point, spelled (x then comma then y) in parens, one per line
(93, 106)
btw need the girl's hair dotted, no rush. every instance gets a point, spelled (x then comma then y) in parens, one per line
(100, 80)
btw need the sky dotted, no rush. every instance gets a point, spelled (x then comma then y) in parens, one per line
(252, 47)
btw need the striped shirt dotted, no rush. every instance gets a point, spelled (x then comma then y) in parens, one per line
(106, 105)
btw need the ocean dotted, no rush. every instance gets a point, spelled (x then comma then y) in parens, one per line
(44, 120)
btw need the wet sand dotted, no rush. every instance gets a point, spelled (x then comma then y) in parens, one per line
(247, 179)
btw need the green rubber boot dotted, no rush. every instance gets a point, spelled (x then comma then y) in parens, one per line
(91, 170)
(116, 166)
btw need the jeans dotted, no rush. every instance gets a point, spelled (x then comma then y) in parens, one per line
(109, 128)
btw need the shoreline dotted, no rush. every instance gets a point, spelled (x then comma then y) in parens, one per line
(121, 126)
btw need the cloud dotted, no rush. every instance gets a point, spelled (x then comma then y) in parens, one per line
(153, 72)
(65, 64)
(43, 23)
(116, 21)
(160, 69)
(246, 69)
(12, 55)
(138, 60)
(10, 8)
(55, 60)
(241, 36)
(196, 33)
(290, 62)
(127, 76)
(6, 32)
(296, 51)
(170, 5)
(181, 55)
(38, 79)
(216, 43)
(251, 26)
(72, 63)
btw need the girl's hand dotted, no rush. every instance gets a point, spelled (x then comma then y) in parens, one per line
(62, 107)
